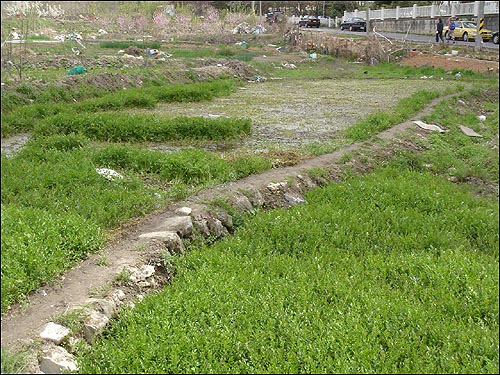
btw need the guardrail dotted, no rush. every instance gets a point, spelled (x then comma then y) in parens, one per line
(445, 9)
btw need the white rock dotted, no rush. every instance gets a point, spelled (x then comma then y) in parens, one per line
(54, 332)
(56, 360)
(184, 211)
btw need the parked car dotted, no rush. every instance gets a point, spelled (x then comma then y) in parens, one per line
(354, 24)
(309, 21)
(494, 37)
(466, 30)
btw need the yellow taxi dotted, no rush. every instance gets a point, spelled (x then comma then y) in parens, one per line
(466, 30)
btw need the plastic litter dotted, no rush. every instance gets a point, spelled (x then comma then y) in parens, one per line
(153, 52)
(469, 132)
(313, 55)
(432, 127)
(259, 29)
(108, 173)
(76, 70)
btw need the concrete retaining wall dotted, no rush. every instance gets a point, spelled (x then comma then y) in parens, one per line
(422, 26)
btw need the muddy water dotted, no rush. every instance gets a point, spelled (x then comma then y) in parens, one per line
(286, 114)
(290, 114)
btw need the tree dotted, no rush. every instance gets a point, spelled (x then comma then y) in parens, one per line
(337, 8)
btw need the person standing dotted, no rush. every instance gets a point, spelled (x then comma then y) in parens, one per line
(439, 30)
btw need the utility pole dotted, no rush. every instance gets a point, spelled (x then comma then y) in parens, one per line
(253, 7)
(260, 12)
(479, 25)
(367, 17)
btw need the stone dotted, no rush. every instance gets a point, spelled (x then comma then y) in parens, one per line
(201, 225)
(293, 200)
(276, 187)
(106, 306)
(56, 360)
(118, 296)
(141, 274)
(171, 240)
(225, 219)
(184, 211)
(94, 325)
(242, 203)
(216, 228)
(55, 333)
(180, 224)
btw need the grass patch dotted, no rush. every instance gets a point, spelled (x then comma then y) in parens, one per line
(26, 117)
(14, 363)
(126, 44)
(56, 207)
(370, 276)
(37, 246)
(119, 127)
(381, 121)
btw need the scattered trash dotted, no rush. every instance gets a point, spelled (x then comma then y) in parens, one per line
(76, 70)
(423, 125)
(243, 44)
(108, 173)
(288, 66)
(458, 75)
(102, 31)
(153, 52)
(258, 29)
(313, 55)
(258, 79)
(481, 117)
(279, 49)
(126, 55)
(469, 132)
(242, 28)
(454, 52)
(425, 77)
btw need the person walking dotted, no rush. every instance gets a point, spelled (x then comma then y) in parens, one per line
(451, 29)
(439, 30)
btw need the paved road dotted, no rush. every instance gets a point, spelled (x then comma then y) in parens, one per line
(409, 37)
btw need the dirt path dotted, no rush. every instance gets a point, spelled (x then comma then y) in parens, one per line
(23, 323)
